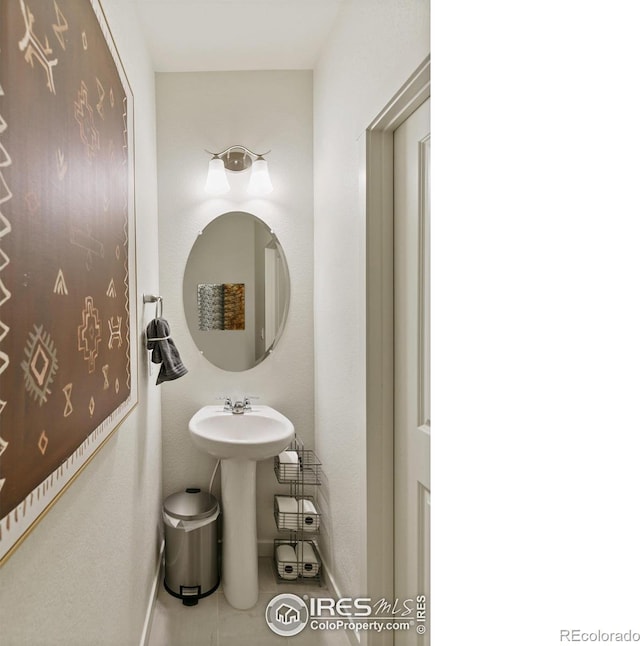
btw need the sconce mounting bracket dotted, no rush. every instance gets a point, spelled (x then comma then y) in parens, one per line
(236, 161)
(237, 158)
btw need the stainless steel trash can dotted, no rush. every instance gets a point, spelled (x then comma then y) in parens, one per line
(191, 545)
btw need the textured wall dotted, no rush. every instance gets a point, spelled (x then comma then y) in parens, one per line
(262, 111)
(374, 48)
(84, 573)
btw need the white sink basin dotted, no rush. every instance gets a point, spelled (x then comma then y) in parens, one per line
(256, 434)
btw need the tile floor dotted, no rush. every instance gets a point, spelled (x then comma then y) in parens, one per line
(213, 622)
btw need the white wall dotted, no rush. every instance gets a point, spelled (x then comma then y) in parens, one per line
(374, 48)
(84, 574)
(262, 111)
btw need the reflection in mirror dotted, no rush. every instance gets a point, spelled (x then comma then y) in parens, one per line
(236, 291)
(221, 307)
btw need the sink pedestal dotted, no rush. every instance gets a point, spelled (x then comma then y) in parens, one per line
(239, 535)
(239, 441)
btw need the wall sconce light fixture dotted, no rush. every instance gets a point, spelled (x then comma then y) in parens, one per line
(236, 159)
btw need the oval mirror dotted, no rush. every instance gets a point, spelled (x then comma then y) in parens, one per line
(236, 291)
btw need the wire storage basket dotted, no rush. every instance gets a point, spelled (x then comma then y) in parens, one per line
(297, 561)
(296, 513)
(297, 558)
(297, 467)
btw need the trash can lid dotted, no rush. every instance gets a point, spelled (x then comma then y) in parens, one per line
(191, 504)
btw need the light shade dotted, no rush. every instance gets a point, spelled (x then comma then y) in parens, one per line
(217, 182)
(260, 182)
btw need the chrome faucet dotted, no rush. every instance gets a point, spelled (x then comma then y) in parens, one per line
(240, 407)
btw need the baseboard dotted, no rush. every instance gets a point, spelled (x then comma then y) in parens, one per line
(153, 595)
(334, 591)
(265, 548)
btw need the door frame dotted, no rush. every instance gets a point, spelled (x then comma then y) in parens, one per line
(377, 201)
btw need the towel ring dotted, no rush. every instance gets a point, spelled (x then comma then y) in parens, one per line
(150, 298)
(158, 338)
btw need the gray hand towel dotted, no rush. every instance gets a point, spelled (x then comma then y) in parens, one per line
(164, 351)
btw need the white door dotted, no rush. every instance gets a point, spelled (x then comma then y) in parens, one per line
(411, 368)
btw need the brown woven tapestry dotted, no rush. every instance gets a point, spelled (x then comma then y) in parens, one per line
(65, 254)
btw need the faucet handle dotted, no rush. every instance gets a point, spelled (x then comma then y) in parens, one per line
(247, 401)
(228, 404)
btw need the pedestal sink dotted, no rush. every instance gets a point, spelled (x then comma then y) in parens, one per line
(240, 440)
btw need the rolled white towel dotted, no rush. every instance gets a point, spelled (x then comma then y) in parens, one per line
(287, 562)
(309, 565)
(289, 468)
(286, 504)
(287, 512)
(309, 519)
